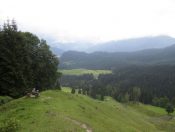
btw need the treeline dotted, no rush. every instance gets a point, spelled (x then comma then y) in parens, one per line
(88, 85)
(148, 84)
(25, 62)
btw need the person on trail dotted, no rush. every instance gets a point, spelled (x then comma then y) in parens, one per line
(33, 91)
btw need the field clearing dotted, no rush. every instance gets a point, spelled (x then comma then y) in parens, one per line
(96, 73)
(66, 89)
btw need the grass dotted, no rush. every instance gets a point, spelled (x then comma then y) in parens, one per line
(96, 73)
(5, 99)
(66, 89)
(61, 111)
(150, 110)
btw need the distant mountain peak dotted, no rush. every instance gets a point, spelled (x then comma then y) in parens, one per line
(135, 44)
(126, 45)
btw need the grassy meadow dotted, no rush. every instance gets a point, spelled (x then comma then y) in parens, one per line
(61, 111)
(85, 71)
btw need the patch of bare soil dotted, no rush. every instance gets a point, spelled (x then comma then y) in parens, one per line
(82, 125)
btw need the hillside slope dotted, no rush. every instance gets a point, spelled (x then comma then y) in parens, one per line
(60, 111)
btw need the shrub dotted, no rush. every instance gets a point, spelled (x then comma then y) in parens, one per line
(5, 99)
(73, 91)
(10, 125)
(84, 91)
(169, 108)
(79, 91)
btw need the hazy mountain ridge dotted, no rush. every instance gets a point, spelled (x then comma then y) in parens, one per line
(135, 44)
(126, 45)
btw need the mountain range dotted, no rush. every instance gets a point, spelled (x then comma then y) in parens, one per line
(135, 44)
(126, 45)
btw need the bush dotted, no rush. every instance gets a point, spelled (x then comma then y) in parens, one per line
(84, 91)
(79, 91)
(169, 108)
(161, 102)
(73, 91)
(5, 99)
(10, 125)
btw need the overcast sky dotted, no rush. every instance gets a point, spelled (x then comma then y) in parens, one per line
(92, 20)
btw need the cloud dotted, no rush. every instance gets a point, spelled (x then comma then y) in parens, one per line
(92, 20)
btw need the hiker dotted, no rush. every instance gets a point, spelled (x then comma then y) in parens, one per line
(35, 92)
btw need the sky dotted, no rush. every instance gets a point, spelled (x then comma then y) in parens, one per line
(93, 21)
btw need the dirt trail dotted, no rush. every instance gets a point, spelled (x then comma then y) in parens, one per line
(82, 125)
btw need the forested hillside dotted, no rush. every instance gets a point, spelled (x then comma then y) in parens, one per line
(104, 60)
(153, 82)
